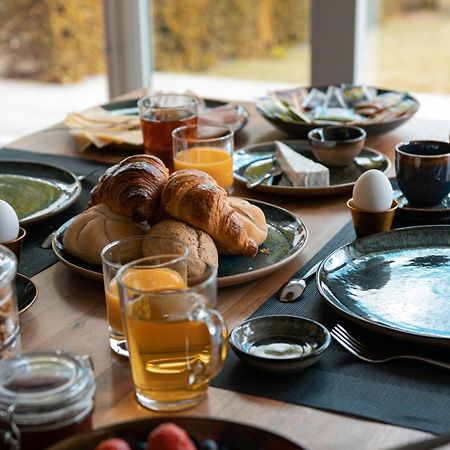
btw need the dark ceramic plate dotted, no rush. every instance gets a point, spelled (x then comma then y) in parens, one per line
(130, 107)
(253, 161)
(286, 239)
(301, 130)
(404, 207)
(312, 337)
(37, 191)
(236, 436)
(396, 282)
(26, 292)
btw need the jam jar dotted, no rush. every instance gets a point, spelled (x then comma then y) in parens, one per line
(44, 397)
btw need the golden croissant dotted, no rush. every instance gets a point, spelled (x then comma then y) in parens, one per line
(132, 187)
(194, 197)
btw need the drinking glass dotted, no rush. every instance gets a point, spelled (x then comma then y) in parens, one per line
(176, 340)
(160, 114)
(205, 147)
(9, 318)
(118, 253)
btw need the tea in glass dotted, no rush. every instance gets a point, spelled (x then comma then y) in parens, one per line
(160, 114)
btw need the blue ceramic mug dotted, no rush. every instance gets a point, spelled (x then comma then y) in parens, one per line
(423, 171)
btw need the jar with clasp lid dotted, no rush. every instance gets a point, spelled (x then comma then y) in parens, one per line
(44, 397)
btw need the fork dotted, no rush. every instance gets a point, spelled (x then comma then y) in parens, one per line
(358, 348)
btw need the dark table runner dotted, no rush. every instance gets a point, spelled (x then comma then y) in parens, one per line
(34, 259)
(408, 394)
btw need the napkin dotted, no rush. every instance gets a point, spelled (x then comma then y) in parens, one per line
(99, 127)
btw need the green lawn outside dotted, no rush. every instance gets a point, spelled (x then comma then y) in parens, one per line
(409, 52)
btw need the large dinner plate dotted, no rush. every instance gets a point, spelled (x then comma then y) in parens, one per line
(286, 239)
(254, 160)
(130, 107)
(396, 282)
(35, 190)
(236, 436)
(301, 129)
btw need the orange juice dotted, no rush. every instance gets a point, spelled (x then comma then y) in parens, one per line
(154, 279)
(215, 161)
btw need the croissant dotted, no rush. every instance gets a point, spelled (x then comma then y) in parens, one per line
(132, 187)
(194, 197)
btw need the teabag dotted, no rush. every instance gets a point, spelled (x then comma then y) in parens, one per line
(353, 94)
(315, 98)
(334, 98)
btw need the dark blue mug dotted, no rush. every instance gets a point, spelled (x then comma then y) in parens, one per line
(423, 171)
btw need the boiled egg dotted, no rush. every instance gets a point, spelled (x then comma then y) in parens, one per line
(9, 222)
(372, 192)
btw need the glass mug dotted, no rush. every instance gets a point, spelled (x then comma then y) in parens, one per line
(118, 253)
(205, 147)
(177, 341)
(160, 114)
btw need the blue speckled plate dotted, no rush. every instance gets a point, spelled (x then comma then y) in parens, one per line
(396, 282)
(286, 239)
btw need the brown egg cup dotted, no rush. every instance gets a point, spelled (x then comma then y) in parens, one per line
(367, 223)
(16, 245)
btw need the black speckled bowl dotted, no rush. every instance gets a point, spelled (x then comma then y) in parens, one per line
(288, 329)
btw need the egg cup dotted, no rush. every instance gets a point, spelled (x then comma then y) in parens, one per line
(366, 223)
(16, 244)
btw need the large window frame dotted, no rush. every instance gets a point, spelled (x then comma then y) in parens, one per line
(337, 33)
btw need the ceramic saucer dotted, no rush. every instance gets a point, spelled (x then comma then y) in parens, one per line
(26, 292)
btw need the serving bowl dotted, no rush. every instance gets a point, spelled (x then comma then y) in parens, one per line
(279, 343)
(337, 145)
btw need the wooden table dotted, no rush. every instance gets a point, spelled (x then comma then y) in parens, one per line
(70, 311)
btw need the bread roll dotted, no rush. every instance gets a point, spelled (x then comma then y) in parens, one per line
(199, 243)
(96, 227)
(253, 219)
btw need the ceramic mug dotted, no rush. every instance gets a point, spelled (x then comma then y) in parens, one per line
(423, 171)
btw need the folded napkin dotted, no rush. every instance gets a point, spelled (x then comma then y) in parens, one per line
(99, 127)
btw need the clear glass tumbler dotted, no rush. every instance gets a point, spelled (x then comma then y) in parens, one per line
(9, 317)
(121, 252)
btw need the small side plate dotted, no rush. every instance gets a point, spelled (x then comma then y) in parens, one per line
(26, 292)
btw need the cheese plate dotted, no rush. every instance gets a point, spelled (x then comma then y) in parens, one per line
(251, 162)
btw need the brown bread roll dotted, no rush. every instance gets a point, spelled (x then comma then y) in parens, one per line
(199, 243)
(96, 227)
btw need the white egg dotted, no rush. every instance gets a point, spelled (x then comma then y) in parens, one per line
(9, 222)
(372, 192)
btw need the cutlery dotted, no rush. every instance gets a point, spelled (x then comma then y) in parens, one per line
(273, 172)
(426, 444)
(294, 288)
(378, 355)
(47, 242)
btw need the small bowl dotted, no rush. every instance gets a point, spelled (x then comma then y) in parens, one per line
(337, 145)
(290, 330)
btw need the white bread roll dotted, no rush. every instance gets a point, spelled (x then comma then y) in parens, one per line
(96, 227)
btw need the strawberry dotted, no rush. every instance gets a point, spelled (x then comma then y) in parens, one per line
(113, 444)
(169, 436)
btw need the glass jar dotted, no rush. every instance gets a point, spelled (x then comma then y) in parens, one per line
(44, 398)
(9, 318)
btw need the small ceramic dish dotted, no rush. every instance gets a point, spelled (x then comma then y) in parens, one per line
(338, 145)
(279, 343)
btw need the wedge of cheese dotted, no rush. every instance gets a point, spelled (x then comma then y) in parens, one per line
(301, 171)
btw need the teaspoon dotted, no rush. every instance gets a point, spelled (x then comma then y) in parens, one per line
(294, 288)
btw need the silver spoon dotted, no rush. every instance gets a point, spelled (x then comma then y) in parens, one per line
(294, 288)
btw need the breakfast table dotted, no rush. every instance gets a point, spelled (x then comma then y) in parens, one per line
(70, 309)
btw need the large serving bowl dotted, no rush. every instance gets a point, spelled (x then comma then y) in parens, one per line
(301, 130)
(237, 436)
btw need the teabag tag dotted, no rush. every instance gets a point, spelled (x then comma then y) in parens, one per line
(334, 98)
(315, 98)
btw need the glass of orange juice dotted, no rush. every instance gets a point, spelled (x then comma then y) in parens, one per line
(176, 339)
(118, 253)
(205, 147)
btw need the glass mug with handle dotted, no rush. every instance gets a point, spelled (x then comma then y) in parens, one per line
(176, 340)
(118, 253)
